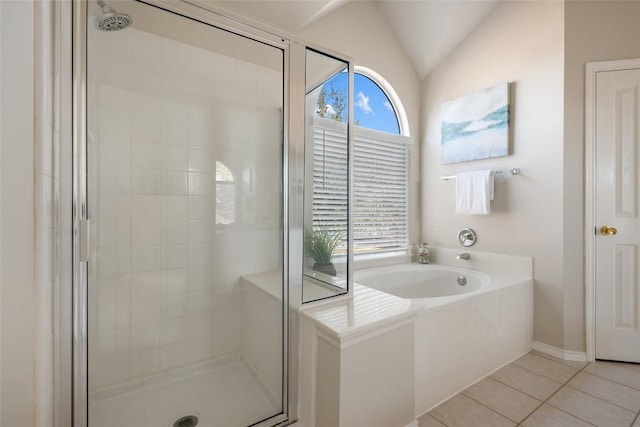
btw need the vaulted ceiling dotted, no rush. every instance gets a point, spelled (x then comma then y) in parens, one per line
(428, 29)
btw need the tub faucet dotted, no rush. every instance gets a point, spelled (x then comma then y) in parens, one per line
(465, 256)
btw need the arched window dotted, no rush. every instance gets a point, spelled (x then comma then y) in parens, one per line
(381, 159)
(225, 195)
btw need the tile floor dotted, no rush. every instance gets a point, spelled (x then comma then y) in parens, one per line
(538, 390)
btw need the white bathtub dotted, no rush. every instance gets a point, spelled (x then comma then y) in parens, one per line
(418, 329)
(422, 280)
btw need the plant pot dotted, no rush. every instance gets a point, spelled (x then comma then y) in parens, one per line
(329, 269)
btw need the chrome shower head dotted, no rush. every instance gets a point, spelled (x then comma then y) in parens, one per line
(110, 20)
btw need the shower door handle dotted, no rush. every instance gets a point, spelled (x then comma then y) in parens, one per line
(84, 244)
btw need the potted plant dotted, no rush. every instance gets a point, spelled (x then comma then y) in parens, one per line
(319, 244)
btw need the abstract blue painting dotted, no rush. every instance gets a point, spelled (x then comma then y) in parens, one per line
(476, 126)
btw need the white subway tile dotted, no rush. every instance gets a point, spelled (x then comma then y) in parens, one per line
(147, 79)
(174, 306)
(200, 301)
(124, 259)
(175, 158)
(124, 180)
(124, 153)
(107, 260)
(146, 310)
(173, 331)
(144, 336)
(199, 325)
(123, 207)
(145, 361)
(109, 371)
(107, 127)
(175, 131)
(202, 160)
(174, 232)
(146, 233)
(106, 318)
(146, 181)
(107, 235)
(199, 349)
(201, 254)
(202, 207)
(123, 232)
(146, 284)
(173, 355)
(145, 207)
(202, 184)
(146, 258)
(202, 231)
(174, 182)
(123, 314)
(107, 152)
(174, 256)
(107, 179)
(174, 207)
(105, 344)
(174, 281)
(202, 277)
(201, 136)
(146, 155)
(111, 98)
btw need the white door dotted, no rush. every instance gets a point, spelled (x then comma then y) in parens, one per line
(617, 188)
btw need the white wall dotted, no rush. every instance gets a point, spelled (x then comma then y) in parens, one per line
(359, 30)
(17, 212)
(527, 214)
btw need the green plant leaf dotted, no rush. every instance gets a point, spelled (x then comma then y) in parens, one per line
(320, 244)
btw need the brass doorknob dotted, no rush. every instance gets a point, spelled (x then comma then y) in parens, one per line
(606, 230)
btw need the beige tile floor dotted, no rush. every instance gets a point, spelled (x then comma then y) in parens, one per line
(538, 390)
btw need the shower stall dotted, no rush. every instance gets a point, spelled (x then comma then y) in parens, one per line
(188, 139)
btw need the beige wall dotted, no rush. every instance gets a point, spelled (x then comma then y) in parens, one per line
(527, 214)
(359, 30)
(16, 216)
(594, 31)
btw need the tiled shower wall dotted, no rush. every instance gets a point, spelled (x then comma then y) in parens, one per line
(164, 268)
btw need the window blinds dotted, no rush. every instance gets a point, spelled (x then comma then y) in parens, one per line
(380, 190)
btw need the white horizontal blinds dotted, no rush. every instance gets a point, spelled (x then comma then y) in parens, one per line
(330, 177)
(381, 171)
(380, 192)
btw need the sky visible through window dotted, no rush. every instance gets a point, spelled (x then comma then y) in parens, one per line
(373, 110)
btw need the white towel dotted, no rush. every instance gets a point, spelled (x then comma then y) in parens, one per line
(474, 191)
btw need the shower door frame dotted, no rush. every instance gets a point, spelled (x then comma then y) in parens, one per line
(75, 192)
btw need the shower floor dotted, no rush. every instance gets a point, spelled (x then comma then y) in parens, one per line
(226, 396)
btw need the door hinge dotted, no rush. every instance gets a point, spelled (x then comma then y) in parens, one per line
(84, 243)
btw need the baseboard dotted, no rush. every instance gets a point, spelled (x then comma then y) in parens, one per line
(413, 423)
(574, 356)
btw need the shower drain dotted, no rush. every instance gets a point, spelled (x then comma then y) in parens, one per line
(186, 421)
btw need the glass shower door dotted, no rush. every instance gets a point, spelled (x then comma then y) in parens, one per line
(185, 281)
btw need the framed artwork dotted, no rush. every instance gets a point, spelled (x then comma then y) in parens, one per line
(476, 126)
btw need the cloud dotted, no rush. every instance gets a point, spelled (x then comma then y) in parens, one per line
(363, 103)
(330, 110)
(388, 106)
